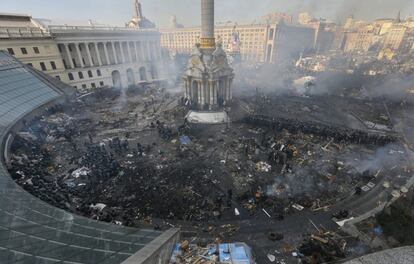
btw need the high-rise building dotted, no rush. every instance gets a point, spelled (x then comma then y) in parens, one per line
(398, 38)
(349, 23)
(359, 41)
(260, 43)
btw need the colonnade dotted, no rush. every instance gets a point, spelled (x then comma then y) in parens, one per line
(90, 54)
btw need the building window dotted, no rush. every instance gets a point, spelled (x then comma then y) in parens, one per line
(76, 87)
(93, 85)
(10, 51)
(24, 51)
(84, 86)
(90, 74)
(101, 84)
(70, 75)
(36, 50)
(74, 63)
(30, 64)
(43, 66)
(80, 75)
(53, 64)
(57, 77)
(99, 72)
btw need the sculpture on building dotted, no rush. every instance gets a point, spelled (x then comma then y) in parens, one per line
(233, 50)
(208, 78)
(139, 20)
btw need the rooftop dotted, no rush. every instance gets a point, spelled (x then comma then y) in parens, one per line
(32, 231)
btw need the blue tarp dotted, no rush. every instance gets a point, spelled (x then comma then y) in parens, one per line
(235, 253)
(185, 140)
(232, 253)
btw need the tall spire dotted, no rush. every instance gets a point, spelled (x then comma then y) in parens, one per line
(399, 17)
(139, 21)
(137, 9)
(207, 24)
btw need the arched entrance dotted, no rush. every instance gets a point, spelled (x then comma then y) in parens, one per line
(143, 74)
(130, 77)
(116, 79)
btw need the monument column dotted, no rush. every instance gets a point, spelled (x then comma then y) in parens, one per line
(136, 51)
(211, 99)
(108, 61)
(129, 52)
(72, 66)
(230, 91)
(199, 92)
(98, 55)
(114, 52)
(79, 55)
(207, 25)
(202, 91)
(88, 53)
(190, 90)
(186, 88)
(122, 52)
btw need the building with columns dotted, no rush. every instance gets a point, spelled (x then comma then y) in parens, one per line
(99, 56)
(259, 43)
(87, 57)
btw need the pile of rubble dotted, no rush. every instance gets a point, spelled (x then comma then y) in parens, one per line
(219, 253)
(338, 133)
(137, 161)
(87, 150)
(321, 247)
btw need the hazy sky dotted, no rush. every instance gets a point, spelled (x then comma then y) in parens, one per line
(187, 11)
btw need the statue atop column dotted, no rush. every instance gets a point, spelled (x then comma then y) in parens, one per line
(138, 9)
(208, 78)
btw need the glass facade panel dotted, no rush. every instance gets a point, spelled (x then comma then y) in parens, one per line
(32, 231)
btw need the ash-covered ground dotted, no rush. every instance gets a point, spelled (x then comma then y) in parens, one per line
(128, 157)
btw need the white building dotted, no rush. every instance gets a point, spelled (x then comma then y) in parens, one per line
(99, 56)
(87, 57)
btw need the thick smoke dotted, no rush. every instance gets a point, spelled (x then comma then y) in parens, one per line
(384, 158)
(313, 179)
(395, 87)
(248, 11)
(122, 99)
(392, 87)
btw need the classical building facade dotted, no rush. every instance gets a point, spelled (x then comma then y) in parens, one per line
(87, 57)
(258, 42)
(252, 37)
(95, 57)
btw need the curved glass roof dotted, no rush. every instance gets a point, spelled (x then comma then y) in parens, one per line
(32, 231)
